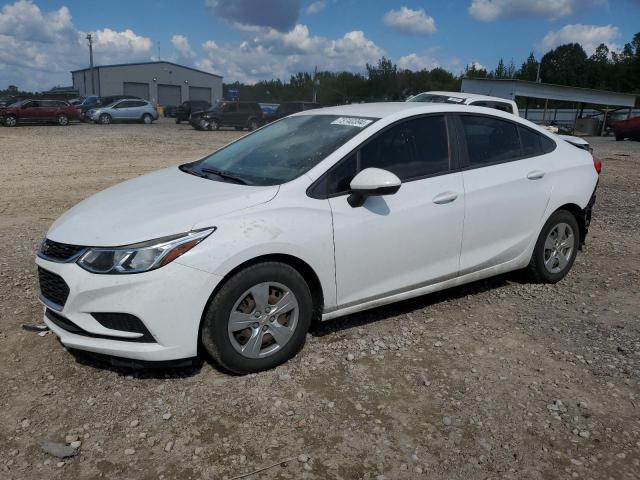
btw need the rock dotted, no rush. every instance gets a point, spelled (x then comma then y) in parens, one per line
(166, 416)
(438, 344)
(584, 434)
(134, 423)
(351, 357)
(129, 451)
(59, 450)
(75, 444)
(198, 451)
(169, 446)
(446, 420)
(60, 464)
(303, 458)
(71, 438)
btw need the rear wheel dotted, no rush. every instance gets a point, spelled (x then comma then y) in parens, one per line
(10, 121)
(259, 318)
(238, 128)
(253, 124)
(178, 121)
(619, 138)
(214, 124)
(105, 119)
(556, 248)
(146, 119)
(62, 120)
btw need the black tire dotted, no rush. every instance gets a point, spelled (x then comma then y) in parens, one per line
(62, 120)
(537, 271)
(104, 119)
(619, 138)
(253, 125)
(146, 119)
(238, 128)
(214, 124)
(10, 121)
(214, 333)
(178, 121)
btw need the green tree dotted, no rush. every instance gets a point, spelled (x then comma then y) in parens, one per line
(565, 65)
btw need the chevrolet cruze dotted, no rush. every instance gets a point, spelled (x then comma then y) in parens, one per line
(318, 215)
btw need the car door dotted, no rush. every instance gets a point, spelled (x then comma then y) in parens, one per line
(230, 113)
(122, 110)
(506, 189)
(30, 111)
(398, 242)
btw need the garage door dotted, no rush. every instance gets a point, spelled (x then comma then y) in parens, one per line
(169, 95)
(140, 90)
(200, 93)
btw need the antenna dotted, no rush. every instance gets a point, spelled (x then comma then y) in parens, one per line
(158, 43)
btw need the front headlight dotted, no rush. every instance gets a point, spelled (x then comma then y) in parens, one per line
(141, 257)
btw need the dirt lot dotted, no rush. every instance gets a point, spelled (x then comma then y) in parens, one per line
(498, 379)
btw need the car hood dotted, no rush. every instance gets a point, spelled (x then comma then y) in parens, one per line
(154, 205)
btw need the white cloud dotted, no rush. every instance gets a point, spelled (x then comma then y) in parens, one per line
(490, 10)
(417, 62)
(272, 54)
(315, 7)
(181, 44)
(38, 48)
(589, 36)
(279, 14)
(410, 21)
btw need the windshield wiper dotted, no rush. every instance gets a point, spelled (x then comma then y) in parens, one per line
(224, 175)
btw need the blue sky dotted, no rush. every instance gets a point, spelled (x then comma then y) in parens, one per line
(250, 40)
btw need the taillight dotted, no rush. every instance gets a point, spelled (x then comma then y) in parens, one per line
(597, 164)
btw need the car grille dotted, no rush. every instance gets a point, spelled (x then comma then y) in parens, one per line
(52, 287)
(60, 252)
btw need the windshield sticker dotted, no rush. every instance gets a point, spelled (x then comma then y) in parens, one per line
(455, 99)
(352, 122)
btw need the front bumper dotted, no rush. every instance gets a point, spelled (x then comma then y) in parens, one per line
(169, 302)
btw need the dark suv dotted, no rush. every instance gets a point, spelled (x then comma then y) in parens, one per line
(228, 114)
(289, 108)
(185, 110)
(38, 111)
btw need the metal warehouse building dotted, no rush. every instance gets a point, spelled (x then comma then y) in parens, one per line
(160, 82)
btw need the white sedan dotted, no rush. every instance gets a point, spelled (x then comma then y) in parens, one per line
(321, 214)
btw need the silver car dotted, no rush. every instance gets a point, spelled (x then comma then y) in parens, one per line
(127, 110)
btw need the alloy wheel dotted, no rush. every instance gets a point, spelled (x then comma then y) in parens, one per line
(558, 247)
(263, 320)
(10, 121)
(63, 120)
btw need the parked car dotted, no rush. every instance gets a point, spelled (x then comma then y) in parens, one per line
(93, 101)
(289, 108)
(629, 128)
(228, 114)
(8, 100)
(324, 213)
(38, 111)
(129, 110)
(190, 106)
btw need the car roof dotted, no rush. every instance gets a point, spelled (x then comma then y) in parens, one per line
(467, 96)
(372, 110)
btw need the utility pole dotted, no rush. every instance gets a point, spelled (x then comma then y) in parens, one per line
(315, 84)
(93, 82)
(538, 74)
(158, 43)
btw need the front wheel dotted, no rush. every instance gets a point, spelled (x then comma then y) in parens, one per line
(104, 119)
(253, 125)
(214, 124)
(556, 248)
(63, 120)
(619, 138)
(10, 121)
(259, 318)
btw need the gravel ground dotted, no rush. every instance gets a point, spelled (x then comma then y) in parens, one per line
(497, 379)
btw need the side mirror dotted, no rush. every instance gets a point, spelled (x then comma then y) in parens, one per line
(372, 182)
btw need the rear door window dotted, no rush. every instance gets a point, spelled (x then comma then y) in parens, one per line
(490, 140)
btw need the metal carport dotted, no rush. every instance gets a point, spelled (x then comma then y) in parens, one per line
(510, 88)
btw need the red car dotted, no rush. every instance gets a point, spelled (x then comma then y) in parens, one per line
(38, 111)
(629, 128)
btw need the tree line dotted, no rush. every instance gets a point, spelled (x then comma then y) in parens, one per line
(566, 64)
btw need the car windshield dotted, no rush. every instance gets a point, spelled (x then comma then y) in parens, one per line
(431, 98)
(281, 151)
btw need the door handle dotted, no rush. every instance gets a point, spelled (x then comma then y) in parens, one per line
(445, 197)
(535, 175)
